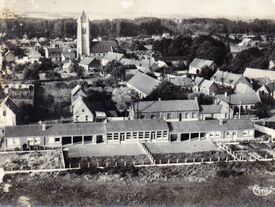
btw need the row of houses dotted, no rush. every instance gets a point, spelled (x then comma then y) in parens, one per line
(155, 130)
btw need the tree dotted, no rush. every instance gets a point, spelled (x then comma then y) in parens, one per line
(116, 69)
(206, 72)
(123, 98)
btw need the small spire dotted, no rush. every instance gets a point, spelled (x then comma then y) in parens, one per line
(83, 16)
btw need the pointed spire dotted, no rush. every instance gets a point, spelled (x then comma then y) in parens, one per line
(83, 16)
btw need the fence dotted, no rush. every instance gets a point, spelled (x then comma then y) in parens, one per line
(35, 149)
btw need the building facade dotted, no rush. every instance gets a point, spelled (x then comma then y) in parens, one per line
(83, 36)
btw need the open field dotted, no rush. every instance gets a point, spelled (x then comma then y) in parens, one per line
(205, 185)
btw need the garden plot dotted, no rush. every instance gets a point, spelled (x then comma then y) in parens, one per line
(35, 160)
(105, 155)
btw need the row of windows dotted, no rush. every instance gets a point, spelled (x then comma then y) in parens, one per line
(168, 116)
(137, 135)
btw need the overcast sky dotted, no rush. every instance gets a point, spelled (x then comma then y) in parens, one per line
(132, 8)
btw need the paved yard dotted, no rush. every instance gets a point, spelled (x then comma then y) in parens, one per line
(101, 150)
(182, 147)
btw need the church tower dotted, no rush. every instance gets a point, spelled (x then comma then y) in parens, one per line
(83, 36)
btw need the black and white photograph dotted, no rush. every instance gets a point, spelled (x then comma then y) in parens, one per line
(140, 103)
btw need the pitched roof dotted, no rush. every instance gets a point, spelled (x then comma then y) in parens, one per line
(200, 63)
(206, 83)
(270, 87)
(244, 88)
(34, 53)
(144, 83)
(8, 102)
(166, 106)
(236, 99)
(71, 129)
(210, 125)
(136, 125)
(253, 73)
(113, 56)
(86, 61)
(55, 50)
(181, 81)
(138, 63)
(103, 46)
(75, 90)
(211, 109)
(226, 77)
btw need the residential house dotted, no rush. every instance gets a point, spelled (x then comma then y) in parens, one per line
(216, 130)
(54, 54)
(68, 67)
(216, 111)
(183, 82)
(85, 111)
(267, 92)
(253, 73)
(9, 113)
(228, 79)
(243, 88)
(90, 64)
(205, 86)
(239, 101)
(34, 55)
(169, 110)
(101, 48)
(143, 84)
(197, 65)
(111, 56)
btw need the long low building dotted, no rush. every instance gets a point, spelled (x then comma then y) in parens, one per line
(155, 130)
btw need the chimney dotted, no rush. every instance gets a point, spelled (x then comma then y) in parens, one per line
(44, 127)
(221, 122)
(226, 94)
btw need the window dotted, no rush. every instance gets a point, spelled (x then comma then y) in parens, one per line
(83, 110)
(245, 132)
(110, 136)
(153, 135)
(134, 135)
(4, 113)
(115, 136)
(217, 134)
(180, 116)
(87, 118)
(228, 134)
(57, 139)
(186, 115)
(234, 133)
(140, 135)
(142, 116)
(168, 116)
(128, 135)
(147, 135)
(159, 134)
(193, 115)
(76, 118)
(153, 116)
(165, 133)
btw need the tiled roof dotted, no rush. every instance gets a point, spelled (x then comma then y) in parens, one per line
(113, 56)
(86, 61)
(181, 81)
(143, 83)
(166, 106)
(206, 83)
(103, 46)
(210, 125)
(200, 63)
(198, 80)
(211, 109)
(238, 98)
(253, 73)
(8, 102)
(54, 50)
(136, 125)
(56, 130)
(226, 77)
(244, 88)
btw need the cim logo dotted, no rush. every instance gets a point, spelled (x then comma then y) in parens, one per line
(261, 191)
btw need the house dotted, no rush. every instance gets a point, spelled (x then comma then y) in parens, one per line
(205, 86)
(89, 64)
(243, 88)
(197, 65)
(34, 55)
(216, 111)
(183, 82)
(111, 56)
(140, 64)
(54, 54)
(85, 111)
(239, 101)
(253, 73)
(9, 113)
(101, 48)
(169, 110)
(143, 84)
(68, 67)
(267, 92)
(228, 79)
(216, 130)
(77, 91)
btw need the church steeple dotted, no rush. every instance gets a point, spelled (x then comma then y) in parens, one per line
(83, 36)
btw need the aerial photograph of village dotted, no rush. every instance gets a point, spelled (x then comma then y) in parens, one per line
(137, 103)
